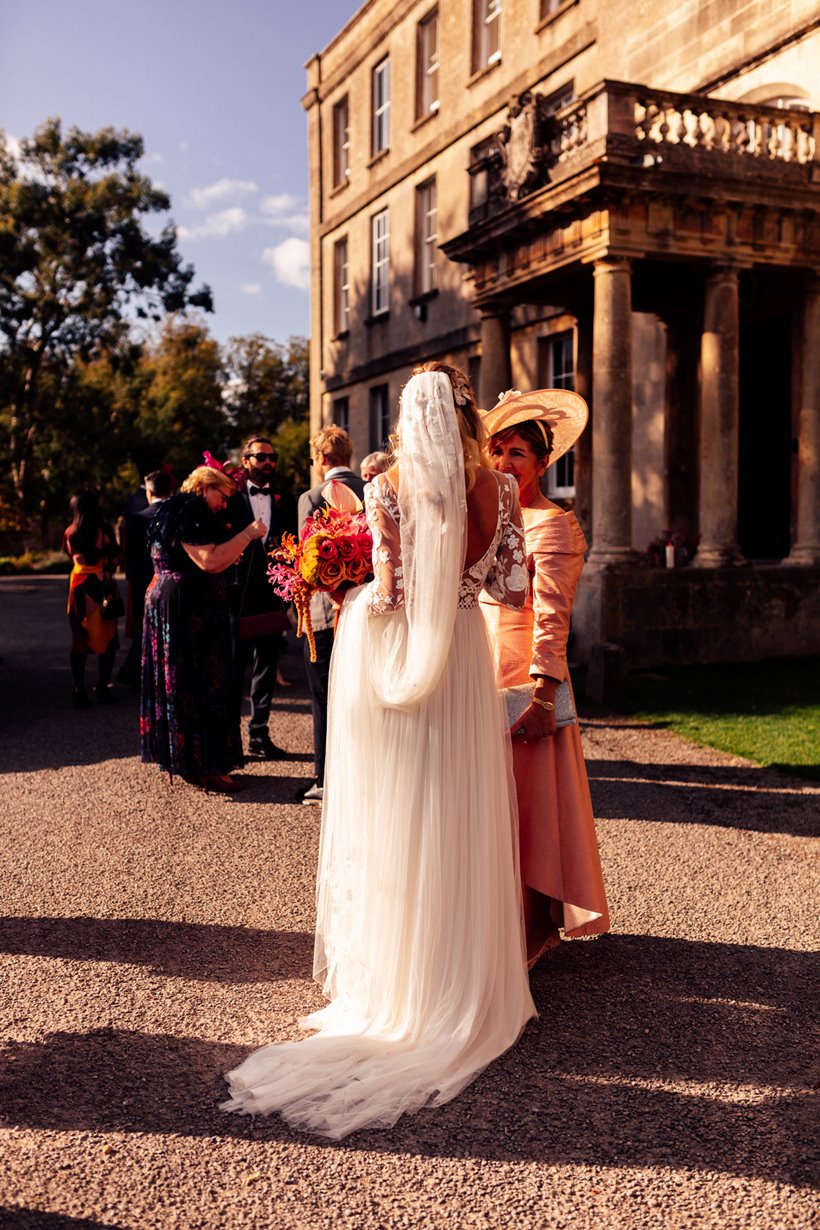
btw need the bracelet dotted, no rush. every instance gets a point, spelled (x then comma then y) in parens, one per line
(247, 536)
(545, 704)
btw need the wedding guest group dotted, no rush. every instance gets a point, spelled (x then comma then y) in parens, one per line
(94, 605)
(331, 450)
(260, 617)
(419, 946)
(189, 719)
(560, 865)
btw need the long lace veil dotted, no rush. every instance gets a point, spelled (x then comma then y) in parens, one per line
(410, 654)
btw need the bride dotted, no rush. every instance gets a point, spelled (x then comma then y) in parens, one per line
(418, 937)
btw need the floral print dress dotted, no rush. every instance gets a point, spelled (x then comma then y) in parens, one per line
(189, 722)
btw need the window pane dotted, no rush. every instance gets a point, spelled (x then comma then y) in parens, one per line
(341, 143)
(560, 374)
(380, 263)
(341, 413)
(427, 244)
(428, 65)
(341, 298)
(380, 417)
(381, 106)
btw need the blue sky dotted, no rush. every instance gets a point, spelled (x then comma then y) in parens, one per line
(214, 88)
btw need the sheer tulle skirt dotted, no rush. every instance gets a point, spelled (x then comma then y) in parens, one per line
(419, 939)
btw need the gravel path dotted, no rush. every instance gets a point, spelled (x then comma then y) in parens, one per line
(151, 936)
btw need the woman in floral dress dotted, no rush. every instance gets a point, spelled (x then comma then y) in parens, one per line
(188, 720)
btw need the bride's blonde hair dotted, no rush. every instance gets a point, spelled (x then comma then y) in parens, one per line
(470, 426)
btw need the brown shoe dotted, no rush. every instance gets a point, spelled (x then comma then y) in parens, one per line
(222, 783)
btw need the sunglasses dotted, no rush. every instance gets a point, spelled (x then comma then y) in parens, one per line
(271, 457)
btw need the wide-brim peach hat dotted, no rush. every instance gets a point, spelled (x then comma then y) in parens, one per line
(566, 412)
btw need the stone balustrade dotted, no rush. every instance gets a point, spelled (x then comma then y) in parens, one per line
(635, 125)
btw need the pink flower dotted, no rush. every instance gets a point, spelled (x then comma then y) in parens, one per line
(329, 548)
(348, 548)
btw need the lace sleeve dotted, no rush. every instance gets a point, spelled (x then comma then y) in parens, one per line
(386, 591)
(507, 579)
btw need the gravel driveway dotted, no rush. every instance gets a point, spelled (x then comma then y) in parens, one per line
(151, 936)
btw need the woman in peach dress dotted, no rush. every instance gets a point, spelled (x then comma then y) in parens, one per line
(560, 864)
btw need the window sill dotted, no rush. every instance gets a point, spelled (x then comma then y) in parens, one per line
(483, 72)
(551, 17)
(425, 119)
(337, 189)
(419, 303)
(377, 319)
(378, 157)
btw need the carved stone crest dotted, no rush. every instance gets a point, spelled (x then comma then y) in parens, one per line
(520, 145)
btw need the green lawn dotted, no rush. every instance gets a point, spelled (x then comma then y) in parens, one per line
(767, 711)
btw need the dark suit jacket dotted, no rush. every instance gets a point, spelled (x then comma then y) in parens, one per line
(313, 499)
(250, 591)
(138, 566)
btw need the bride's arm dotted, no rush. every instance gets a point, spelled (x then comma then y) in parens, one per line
(508, 579)
(386, 591)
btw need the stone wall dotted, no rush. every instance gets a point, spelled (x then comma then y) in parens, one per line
(680, 616)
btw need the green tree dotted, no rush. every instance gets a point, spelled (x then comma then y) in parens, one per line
(76, 263)
(180, 385)
(266, 383)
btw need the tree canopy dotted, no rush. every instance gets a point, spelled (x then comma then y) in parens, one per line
(77, 264)
(107, 368)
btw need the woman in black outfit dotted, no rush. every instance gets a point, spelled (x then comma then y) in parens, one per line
(189, 723)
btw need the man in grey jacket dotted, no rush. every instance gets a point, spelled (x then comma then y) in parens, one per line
(331, 450)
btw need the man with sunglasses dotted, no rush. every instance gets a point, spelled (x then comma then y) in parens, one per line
(259, 615)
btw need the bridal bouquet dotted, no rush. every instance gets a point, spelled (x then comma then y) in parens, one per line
(333, 551)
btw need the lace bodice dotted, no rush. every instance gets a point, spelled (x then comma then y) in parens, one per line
(502, 569)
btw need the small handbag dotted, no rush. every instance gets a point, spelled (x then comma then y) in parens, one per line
(269, 623)
(518, 699)
(112, 605)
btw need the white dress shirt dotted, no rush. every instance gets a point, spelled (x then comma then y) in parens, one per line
(261, 507)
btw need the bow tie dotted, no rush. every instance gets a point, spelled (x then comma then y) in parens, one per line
(259, 490)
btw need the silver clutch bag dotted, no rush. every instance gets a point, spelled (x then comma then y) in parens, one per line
(518, 700)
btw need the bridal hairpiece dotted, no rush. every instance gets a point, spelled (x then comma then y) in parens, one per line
(460, 394)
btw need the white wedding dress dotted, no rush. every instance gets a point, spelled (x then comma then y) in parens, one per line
(419, 941)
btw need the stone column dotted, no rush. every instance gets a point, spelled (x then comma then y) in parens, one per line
(806, 549)
(583, 446)
(718, 445)
(496, 370)
(612, 414)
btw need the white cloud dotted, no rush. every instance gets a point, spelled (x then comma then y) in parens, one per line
(153, 160)
(223, 190)
(283, 212)
(251, 288)
(216, 226)
(12, 145)
(290, 262)
(275, 206)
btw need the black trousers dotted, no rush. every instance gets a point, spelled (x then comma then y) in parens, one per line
(318, 675)
(262, 656)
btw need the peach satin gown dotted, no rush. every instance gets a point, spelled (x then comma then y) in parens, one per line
(559, 850)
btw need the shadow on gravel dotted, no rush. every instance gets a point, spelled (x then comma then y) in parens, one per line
(702, 794)
(174, 949)
(648, 1052)
(37, 1219)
